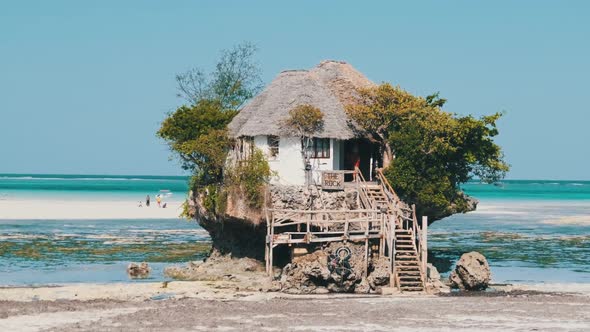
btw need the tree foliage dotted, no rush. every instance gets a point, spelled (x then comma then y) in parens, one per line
(434, 151)
(251, 175)
(198, 136)
(377, 111)
(305, 120)
(197, 133)
(236, 79)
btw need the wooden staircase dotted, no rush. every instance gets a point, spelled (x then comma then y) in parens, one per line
(406, 254)
(376, 194)
(406, 271)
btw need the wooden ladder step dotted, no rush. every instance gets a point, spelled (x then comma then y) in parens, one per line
(410, 284)
(412, 289)
(402, 268)
(408, 259)
(417, 278)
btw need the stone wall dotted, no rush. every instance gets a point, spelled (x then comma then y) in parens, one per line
(301, 198)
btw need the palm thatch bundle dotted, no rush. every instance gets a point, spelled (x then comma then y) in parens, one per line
(329, 87)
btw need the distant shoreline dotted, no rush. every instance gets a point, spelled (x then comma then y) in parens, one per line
(94, 209)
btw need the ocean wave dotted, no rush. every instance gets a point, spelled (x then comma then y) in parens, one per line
(172, 231)
(568, 220)
(125, 241)
(20, 236)
(101, 237)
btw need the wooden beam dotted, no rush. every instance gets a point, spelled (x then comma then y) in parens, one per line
(424, 241)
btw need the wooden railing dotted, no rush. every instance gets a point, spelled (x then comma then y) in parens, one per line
(420, 236)
(362, 189)
(406, 219)
(385, 183)
(367, 222)
(286, 226)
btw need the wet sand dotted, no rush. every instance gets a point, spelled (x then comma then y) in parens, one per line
(214, 307)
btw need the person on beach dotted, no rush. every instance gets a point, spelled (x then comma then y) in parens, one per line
(147, 201)
(159, 200)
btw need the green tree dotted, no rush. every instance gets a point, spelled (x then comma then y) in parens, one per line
(198, 136)
(251, 175)
(305, 121)
(377, 111)
(434, 151)
(236, 79)
(197, 133)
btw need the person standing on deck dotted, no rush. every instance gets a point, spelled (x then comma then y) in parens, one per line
(354, 159)
(147, 201)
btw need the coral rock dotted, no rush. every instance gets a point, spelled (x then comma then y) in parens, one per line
(471, 273)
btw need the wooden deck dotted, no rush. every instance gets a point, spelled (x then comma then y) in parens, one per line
(381, 218)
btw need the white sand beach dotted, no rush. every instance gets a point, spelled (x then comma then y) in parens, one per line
(85, 209)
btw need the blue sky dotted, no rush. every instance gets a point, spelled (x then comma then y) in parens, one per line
(84, 85)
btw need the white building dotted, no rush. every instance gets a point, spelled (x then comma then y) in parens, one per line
(330, 86)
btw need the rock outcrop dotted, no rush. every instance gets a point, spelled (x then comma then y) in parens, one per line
(471, 273)
(241, 230)
(299, 198)
(243, 273)
(138, 270)
(319, 272)
(434, 282)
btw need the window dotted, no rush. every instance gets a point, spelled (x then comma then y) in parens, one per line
(320, 148)
(273, 147)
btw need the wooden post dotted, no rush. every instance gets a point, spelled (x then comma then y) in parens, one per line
(367, 246)
(367, 255)
(267, 240)
(424, 243)
(271, 247)
(308, 235)
(392, 260)
(266, 250)
(382, 238)
(345, 226)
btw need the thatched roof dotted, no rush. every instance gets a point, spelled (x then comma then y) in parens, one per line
(329, 86)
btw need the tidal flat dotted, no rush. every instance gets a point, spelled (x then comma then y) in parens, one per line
(522, 311)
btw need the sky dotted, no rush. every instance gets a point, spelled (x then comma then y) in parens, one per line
(84, 85)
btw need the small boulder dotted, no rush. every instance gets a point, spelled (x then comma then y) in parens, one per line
(138, 270)
(434, 283)
(379, 277)
(471, 273)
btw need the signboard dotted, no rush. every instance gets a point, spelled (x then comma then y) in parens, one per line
(332, 180)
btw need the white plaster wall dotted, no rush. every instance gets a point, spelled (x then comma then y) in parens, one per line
(323, 164)
(289, 164)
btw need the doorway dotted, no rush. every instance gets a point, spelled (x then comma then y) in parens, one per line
(363, 153)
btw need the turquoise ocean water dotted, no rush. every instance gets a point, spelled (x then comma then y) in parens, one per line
(531, 231)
